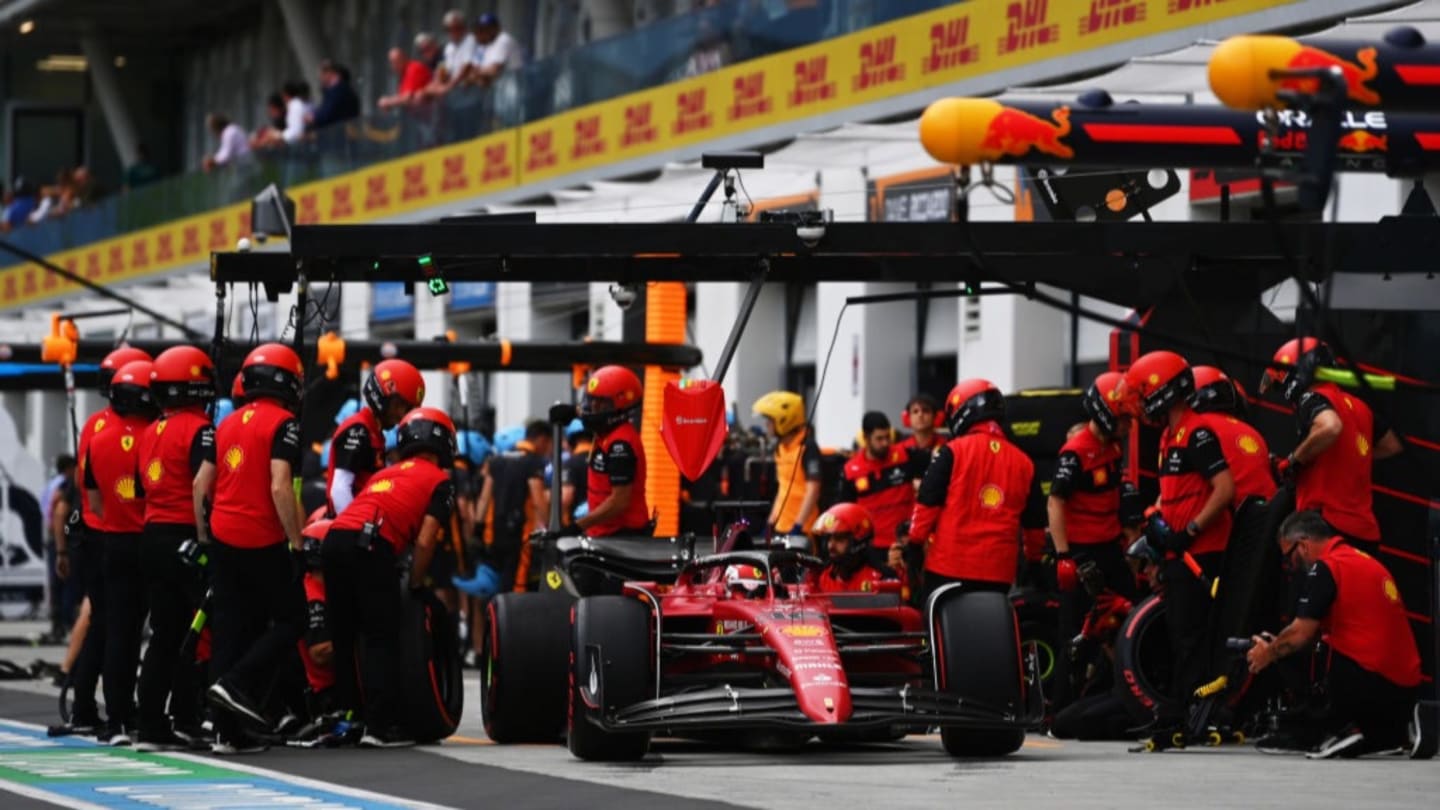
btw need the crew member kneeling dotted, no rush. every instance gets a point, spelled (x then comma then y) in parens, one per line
(1374, 663)
(408, 502)
(846, 529)
(968, 508)
(616, 484)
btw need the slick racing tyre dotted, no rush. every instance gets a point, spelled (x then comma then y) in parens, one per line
(1142, 662)
(611, 668)
(526, 661)
(430, 670)
(977, 647)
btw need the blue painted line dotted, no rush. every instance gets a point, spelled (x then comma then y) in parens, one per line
(75, 772)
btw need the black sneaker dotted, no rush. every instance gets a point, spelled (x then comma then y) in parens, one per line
(161, 741)
(1347, 745)
(231, 699)
(389, 738)
(82, 727)
(117, 736)
(1285, 742)
(239, 745)
(288, 725)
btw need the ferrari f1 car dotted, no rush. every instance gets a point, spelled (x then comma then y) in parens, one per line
(674, 648)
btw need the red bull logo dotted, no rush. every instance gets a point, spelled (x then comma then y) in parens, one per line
(1016, 133)
(1357, 74)
(1362, 141)
(969, 130)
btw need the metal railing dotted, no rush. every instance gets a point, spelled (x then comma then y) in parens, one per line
(665, 51)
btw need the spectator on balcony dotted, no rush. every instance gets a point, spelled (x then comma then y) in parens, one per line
(427, 50)
(52, 198)
(413, 78)
(296, 94)
(142, 172)
(234, 146)
(79, 190)
(20, 204)
(269, 135)
(338, 101)
(459, 55)
(496, 51)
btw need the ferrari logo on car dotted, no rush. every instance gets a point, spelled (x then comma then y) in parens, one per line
(552, 579)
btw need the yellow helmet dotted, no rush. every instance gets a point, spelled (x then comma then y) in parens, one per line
(785, 408)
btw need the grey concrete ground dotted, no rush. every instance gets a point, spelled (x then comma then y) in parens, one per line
(468, 771)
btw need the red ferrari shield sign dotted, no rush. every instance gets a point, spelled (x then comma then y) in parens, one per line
(694, 425)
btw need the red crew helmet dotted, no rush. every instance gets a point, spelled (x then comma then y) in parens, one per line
(1156, 382)
(427, 430)
(114, 360)
(610, 395)
(1305, 355)
(971, 402)
(393, 380)
(1102, 402)
(182, 375)
(273, 370)
(130, 390)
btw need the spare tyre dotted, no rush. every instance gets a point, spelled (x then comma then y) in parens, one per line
(977, 646)
(1143, 669)
(525, 680)
(432, 686)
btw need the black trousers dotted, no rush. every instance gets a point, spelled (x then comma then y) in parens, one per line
(363, 608)
(124, 618)
(1359, 697)
(88, 569)
(1247, 599)
(172, 590)
(1188, 610)
(258, 616)
(1075, 605)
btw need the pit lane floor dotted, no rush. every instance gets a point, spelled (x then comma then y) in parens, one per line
(468, 771)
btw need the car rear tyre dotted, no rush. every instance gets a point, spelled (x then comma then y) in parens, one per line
(978, 649)
(611, 656)
(525, 659)
(1142, 662)
(430, 670)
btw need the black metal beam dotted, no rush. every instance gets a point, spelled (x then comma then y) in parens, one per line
(432, 354)
(1100, 259)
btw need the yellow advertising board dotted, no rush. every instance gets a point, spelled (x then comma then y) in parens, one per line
(961, 41)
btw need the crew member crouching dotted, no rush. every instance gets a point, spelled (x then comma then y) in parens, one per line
(408, 503)
(1374, 664)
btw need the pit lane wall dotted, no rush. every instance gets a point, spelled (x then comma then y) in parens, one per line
(974, 47)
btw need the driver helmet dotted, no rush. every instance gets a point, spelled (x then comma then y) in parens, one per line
(745, 581)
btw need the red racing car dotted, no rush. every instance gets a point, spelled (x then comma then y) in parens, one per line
(741, 642)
